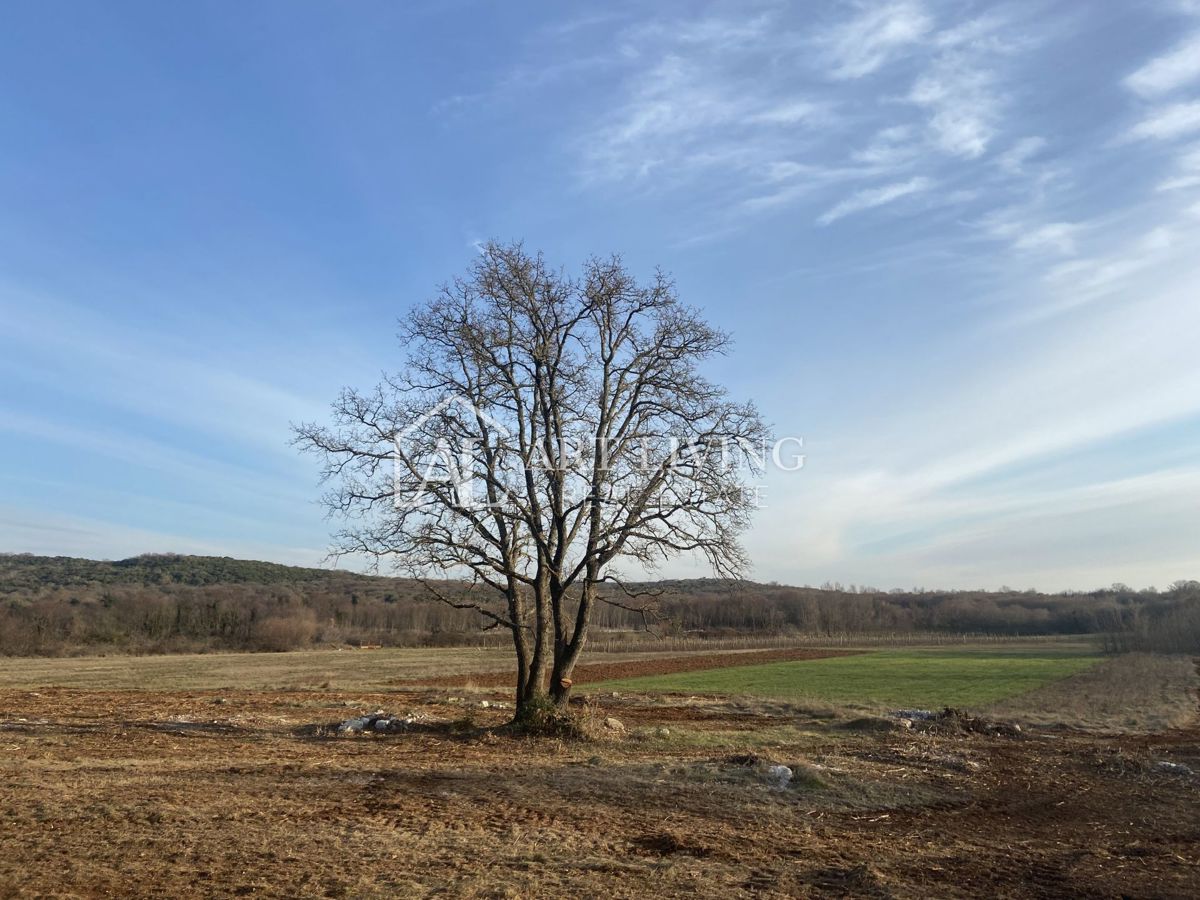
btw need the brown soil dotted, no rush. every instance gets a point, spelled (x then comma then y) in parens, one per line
(591, 673)
(249, 793)
(195, 793)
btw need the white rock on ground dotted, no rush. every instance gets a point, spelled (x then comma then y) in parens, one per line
(379, 723)
(912, 715)
(779, 776)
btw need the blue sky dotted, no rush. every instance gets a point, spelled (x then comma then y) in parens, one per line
(956, 244)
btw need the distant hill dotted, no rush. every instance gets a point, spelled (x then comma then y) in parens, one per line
(168, 602)
(26, 572)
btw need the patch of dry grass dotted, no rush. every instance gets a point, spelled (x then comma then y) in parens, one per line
(138, 793)
(1132, 692)
(338, 670)
(343, 670)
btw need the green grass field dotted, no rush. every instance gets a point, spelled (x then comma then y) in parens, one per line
(924, 678)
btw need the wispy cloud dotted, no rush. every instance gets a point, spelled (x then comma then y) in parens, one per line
(1174, 69)
(890, 147)
(1024, 232)
(684, 114)
(1187, 171)
(973, 461)
(871, 198)
(1081, 280)
(1015, 159)
(867, 42)
(1168, 122)
(1057, 236)
(963, 104)
(756, 112)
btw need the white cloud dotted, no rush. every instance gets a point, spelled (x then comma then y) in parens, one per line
(871, 198)
(1187, 171)
(1026, 230)
(723, 33)
(1058, 236)
(727, 108)
(889, 148)
(968, 480)
(691, 112)
(1174, 69)
(1181, 182)
(787, 113)
(1083, 280)
(1014, 159)
(867, 42)
(791, 181)
(1168, 122)
(156, 374)
(963, 105)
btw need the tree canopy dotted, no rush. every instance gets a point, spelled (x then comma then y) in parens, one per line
(544, 430)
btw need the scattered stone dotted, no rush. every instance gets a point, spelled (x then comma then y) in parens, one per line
(484, 704)
(912, 714)
(353, 726)
(905, 723)
(779, 776)
(663, 732)
(378, 723)
(614, 725)
(1173, 768)
(219, 700)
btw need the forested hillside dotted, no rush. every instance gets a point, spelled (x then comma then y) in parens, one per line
(169, 603)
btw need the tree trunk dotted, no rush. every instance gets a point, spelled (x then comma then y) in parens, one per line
(566, 655)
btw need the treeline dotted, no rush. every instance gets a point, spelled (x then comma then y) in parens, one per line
(163, 603)
(167, 603)
(1166, 623)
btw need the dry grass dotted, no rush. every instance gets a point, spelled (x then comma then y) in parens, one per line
(168, 793)
(215, 776)
(1132, 692)
(353, 670)
(349, 670)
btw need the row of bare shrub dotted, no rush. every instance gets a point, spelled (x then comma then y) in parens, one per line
(1169, 625)
(180, 617)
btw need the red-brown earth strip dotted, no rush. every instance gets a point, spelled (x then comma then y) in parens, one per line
(592, 673)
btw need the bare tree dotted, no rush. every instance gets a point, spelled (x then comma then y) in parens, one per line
(544, 430)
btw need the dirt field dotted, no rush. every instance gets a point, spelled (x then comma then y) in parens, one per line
(353, 669)
(243, 793)
(634, 666)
